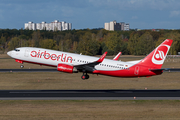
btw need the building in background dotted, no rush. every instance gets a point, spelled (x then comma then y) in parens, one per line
(126, 27)
(107, 26)
(55, 26)
(30, 25)
(113, 26)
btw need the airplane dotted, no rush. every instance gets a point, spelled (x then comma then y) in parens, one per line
(73, 63)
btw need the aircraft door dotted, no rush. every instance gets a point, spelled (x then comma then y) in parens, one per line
(26, 53)
(136, 70)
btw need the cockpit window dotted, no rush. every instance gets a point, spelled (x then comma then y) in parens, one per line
(17, 50)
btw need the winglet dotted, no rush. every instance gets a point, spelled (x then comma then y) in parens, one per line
(117, 56)
(102, 57)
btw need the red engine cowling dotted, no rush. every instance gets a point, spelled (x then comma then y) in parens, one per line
(66, 68)
(19, 61)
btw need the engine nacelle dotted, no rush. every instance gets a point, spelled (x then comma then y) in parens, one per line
(66, 68)
(19, 61)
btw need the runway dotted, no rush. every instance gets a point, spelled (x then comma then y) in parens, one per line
(89, 94)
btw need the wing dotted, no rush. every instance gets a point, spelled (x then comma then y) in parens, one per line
(89, 67)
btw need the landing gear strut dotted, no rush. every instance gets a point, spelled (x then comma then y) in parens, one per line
(86, 76)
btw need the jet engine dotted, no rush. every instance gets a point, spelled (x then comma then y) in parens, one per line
(66, 68)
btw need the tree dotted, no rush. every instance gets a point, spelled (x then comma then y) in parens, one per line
(112, 40)
(145, 44)
(88, 44)
(175, 47)
(2, 43)
(104, 47)
(117, 49)
(36, 37)
(68, 45)
(75, 45)
(159, 41)
(48, 44)
(83, 46)
(132, 43)
(13, 43)
(23, 41)
(61, 45)
(94, 45)
(124, 49)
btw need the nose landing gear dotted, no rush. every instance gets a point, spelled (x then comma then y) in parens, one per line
(86, 76)
(22, 66)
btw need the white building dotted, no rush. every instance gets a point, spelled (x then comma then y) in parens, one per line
(26, 26)
(122, 25)
(38, 26)
(66, 26)
(55, 26)
(70, 26)
(62, 23)
(43, 27)
(33, 25)
(59, 26)
(113, 25)
(107, 26)
(29, 25)
(126, 27)
(47, 26)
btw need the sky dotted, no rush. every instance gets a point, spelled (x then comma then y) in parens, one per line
(83, 14)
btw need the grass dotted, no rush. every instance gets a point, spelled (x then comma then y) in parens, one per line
(89, 109)
(59, 80)
(73, 81)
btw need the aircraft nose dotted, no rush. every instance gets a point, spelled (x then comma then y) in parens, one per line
(9, 53)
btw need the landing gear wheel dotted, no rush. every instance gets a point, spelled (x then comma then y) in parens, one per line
(85, 76)
(22, 66)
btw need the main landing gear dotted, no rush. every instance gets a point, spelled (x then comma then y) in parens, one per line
(86, 76)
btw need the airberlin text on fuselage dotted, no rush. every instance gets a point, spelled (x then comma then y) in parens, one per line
(54, 57)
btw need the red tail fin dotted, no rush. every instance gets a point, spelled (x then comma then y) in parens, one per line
(156, 58)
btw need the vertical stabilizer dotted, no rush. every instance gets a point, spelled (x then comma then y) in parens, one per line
(156, 58)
